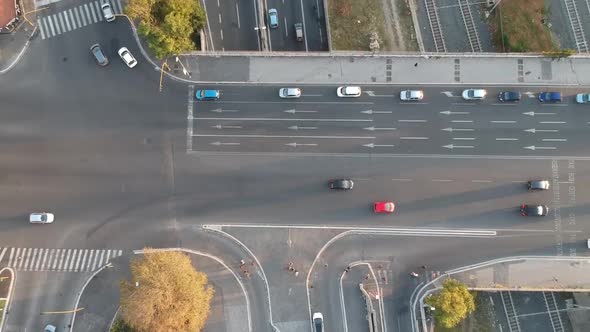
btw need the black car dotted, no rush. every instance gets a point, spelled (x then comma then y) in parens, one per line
(509, 96)
(534, 210)
(341, 184)
(538, 185)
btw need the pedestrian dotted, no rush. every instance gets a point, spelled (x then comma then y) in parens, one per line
(347, 269)
(296, 273)
(242, 262)
(416, 64)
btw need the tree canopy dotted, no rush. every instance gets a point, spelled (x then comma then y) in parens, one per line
(169, 26)
(452, 304)
(165, 293)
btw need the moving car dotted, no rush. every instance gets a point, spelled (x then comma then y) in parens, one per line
(508, 96)
(273, 18)
(474, 94)
(298, 31)
(383, 207)
(349, 91)
(538, 185)
(550, 97)
(534, 210)
(207, 94)
(49, 328)
(341, 184)
(99, 56)
(318, 322)
(127, 57)
(583, 98)
(107, 12)
(41, 218)
(411, 95)
(289, 92)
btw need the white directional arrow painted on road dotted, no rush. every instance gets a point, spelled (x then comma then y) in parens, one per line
(226, 127)
(370, 93)
(376, 112)
(220, 110)
(532, 147)
(452, 113)
(533, 130)
(300, 144)
(451, 146)
(293, 111)
(448, 93)
(375, 128)
(223, 143)
(302, 128)
(530, 94)
(371, 145)
(533, 113)
(456, 129)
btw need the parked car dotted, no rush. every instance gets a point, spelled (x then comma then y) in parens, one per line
(550, 97)
(273, 18)
(474, 94)
(534, 210)
(298, 31)
(509, 96)
(383, 207)
(318, 322)
(583, 98)
(341, 184)
(349, 91)
(99, 55)
(411, 95)
(41, 218)
(127, 57)
(289, 92)
(207, 94)
(538, 185)
(49, 328)
(107, 12)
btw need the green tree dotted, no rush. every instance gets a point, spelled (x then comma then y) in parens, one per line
(165, 293)
(453, 303)
(121, 326)
(169, 26)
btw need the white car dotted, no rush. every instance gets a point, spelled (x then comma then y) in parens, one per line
(411, 95)
(474, 94)
(289, 92)
(41, 218)
(127, 57)
(318, 322)
(583, 98)
(349, 91)
(107, 12)
(49, 328)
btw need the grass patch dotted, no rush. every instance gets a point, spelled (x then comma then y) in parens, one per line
(352, 21)
(407, 25)
(2, 306)
(517, 26)
(480, 320)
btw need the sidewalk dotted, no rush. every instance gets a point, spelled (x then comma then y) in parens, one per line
(381, 69)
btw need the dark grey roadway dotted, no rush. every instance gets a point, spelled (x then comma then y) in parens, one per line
(255, 119)
(231, 25)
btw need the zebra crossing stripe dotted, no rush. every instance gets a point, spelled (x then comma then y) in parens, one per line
(61, 22)
(43, 260)
(41, 27)
(2, 254)
(10, 257)
(118, 5)
(50, 25)
(94, 20)
(87, 12)
(55, 21)
(19, 258)
(66, 18)
(52, 254)
(73, 260)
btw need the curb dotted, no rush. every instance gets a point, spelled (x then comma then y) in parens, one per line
(10, 290)
(82, 291)
(20, 55)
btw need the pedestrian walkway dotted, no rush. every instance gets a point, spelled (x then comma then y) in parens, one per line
(74, 18)
(59, 260)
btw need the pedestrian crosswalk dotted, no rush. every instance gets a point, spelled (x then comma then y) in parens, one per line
(74, 18)
(59, 260)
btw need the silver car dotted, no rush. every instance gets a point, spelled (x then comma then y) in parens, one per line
(411, 95)
(349, 91)
(474, 94)
(583, 98)
(41, 218)
(289, 92)
(107, 12)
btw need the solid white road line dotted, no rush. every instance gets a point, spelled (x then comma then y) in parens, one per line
(502, 121)
(462, 121)
(554, 140)
(275, 119)
(506, 139)
(463, 138)
(411, 120)
(553, 122)
(413, 138)
(284, 136)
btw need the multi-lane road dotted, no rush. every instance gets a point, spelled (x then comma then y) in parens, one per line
(255, 119)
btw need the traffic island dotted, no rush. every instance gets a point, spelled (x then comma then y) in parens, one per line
(6, 285)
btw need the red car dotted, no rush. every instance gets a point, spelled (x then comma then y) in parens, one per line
(383, 207)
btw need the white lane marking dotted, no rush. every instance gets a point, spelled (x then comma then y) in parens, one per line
(457, 129)
(533, 130)
(452, 146)
(372, 145)
(293, 111)
(448, 93)
(553, 122)
(303, 128)
(402, 180)
(298, 102)
(189, 127)
(274, 119)
(375, 128)
(532, 147)
(481, 181)
(533, 113)
(506, 139)
(414, 137)
(451, 113)
(441, 180)
(223, 143)
(221, 33)
(462, 121)
(463, 138)
(237, 14)
(376, 112)
(411, 120)
(554, 140)
(294, 144)
(219, 18)
(226, 127)
(502, 121)
(284, 136)
(220, 110)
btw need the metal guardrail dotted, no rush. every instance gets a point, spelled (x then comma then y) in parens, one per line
(370, 310)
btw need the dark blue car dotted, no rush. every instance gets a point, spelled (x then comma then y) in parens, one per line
(509, 96)
(550, 97)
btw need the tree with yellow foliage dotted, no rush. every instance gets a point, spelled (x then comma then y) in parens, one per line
(453, 303)
(165, 293)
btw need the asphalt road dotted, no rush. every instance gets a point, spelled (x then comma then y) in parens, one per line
(255, 119)
(231, 25)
